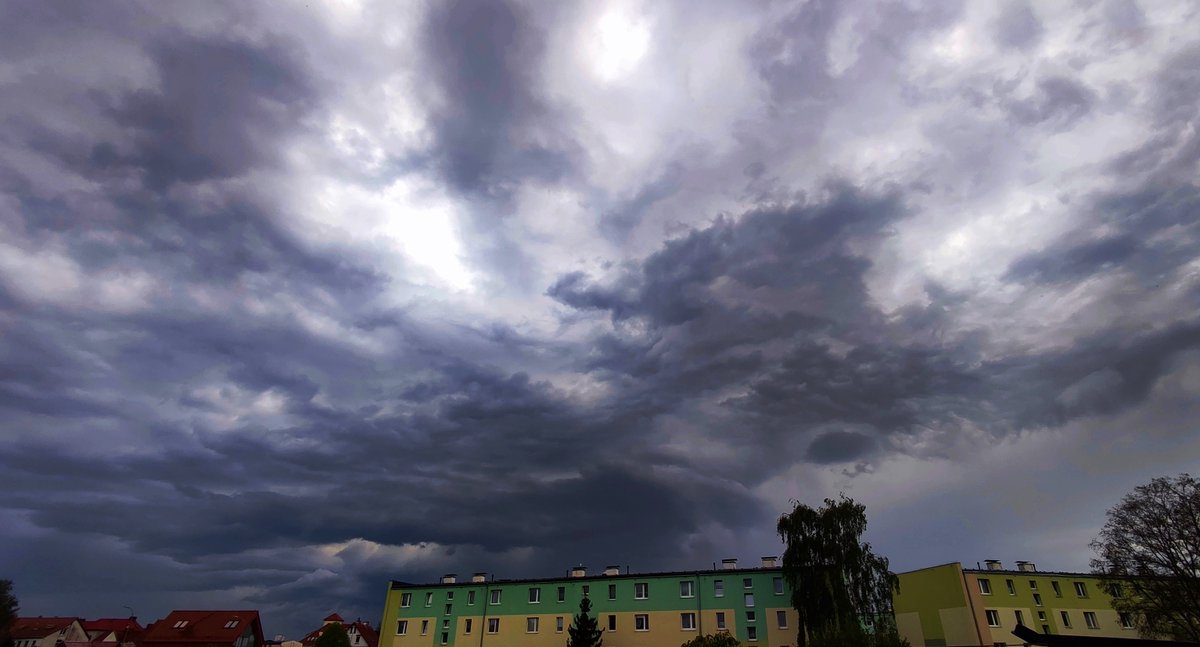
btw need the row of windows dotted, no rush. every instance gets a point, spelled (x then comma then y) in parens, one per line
(1089, 618)
(641, 622)
(641, 591)
(985, 588)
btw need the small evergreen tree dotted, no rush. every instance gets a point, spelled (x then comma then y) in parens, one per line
(722, 639)
(333, 636)
(8, 612)
(585, 632)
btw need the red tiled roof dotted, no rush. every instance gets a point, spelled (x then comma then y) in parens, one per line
(38, 627)
(368, 633)
(203, 628)
(370, 636)
(333, 617)
(112, 624)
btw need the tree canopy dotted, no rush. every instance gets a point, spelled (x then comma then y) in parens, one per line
(8, 612)
(839, 586)
(722, 639)
(334, 635)
(584, 631)
(1148, 554)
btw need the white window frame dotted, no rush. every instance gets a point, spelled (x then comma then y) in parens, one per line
(752, 633)
(1018, 616)
(532, 625)
(467, 626)
(449, 607)
(1080, 590)
(1057, 589)
(748, 598)
(493, 626)
(781, 619)
(687, 621)
(612, 591)
(1066, 619)
(777, 585)
(445, 637)
(562, 594)
(747, 582)
(1089, 619)
(446, 624)
(985, 586)
(429, 599)
(470, 598)
(406, 600)
(993, 617)
(690, 587)
(641, 590)
(494, 596)
(751, 616)
(1125, 620)
(424, 627)
(1012, 587)
(612, 622)
(721, 620)
(1033, 585)
(718, 588)
(641, 622)
(535, 595)
(558, 625)
(401, 627)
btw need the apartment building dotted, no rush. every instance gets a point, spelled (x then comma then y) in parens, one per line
(952, 606)
(633, 609)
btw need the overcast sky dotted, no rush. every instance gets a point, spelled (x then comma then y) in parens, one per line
(297, 298)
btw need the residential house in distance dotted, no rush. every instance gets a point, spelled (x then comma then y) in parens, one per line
(633, 609)
(47, 632)
(949, 605)
(240, 628)
(124, 631)
(360, 633)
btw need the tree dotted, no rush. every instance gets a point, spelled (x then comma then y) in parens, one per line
(722, 639)
(839, 586)
(334, 635)
(1148, 556)
(8, 612)
(585, 632)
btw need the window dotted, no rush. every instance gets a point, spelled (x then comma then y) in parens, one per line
(1114, 590)
(720, 620)
(562, 594)
(750, 616)
(1124, 619)
(641, 622)
(1041, 616)
(401, 627)
(429, 599)
(1037, 599)
(493, 625)
(424, 627)
(447, 610)
(1057, 591)
(781, 619)
(1012, 588)
(466, 625)
(751, 633)
(612, 591)
(1019, 616)
(178, 625)
(777, 584)
(495, 596)
(1033, 584)
(449, 595)
(558, 625)
(446, 623)
(1081, 589)
(747, 583)
(535, 595)
(470, 597)
(993, 617)
(1066, 619)
(718, 588)
(445, 637)
(641, 590)
(749, 599)
(985, 587)
(685, 589)
(687, 621)
(1089, 619)
(531, 625)
(612, 623)
(586, 589)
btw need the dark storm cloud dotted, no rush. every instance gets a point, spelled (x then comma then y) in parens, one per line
(1057, 100)
(840, 447)
(1018, 26)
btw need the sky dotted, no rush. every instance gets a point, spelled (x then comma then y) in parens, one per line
(299, 298)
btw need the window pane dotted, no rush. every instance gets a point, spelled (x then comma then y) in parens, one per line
(719, 588)
(749, 599)
(781, 619)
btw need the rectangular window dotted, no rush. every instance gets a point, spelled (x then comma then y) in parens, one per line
(1033, 584)
(1012, 588)
(1114, 590)
(1126, 622)
(750, 616)
(406, 599)
(781, 619)
(720, 620)
(470, 597)
(751, 633)
(531, 625)
(749, 599)
(641, 622)
(562, 594)
(612, 591)
(449, 595)
(685, 589)
(1057, 591)
(641, 590)
(495, 596)
(718, 588)
(1066, 619)
(1089, 619)
(446, 623)
(467, 625)
(1020, 617)
(612, 623)
(586, 589)
(535, 595)
(1041, 616)
(777, 584)
(1045, 629)
(429, 599)
(424, 627)
(747, 583)
(401, 627)
(985, 587)
(493, 625)
(993, 617)
(448, 606)
(1080, 589)
(1037, 599)
(558, 625)
(445, 637)
(687, 621)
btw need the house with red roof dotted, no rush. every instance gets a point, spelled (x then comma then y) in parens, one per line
(205, 629)
(114, 630)
(361, 634)
(46, 632)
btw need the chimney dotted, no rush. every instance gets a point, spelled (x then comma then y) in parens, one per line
(612, 570)
(729, 564)
(449, 578)
(769, 561)
(479, 577)
(993, 564)
(1026, 567)
(579, 571)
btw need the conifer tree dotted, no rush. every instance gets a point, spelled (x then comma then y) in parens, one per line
(584, 632)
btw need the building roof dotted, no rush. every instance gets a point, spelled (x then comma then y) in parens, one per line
(1001, 571)
(116, 625)
(334, 617)
(398, 584)
(182, 627)
(39, 627)
(368, 633)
